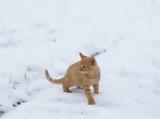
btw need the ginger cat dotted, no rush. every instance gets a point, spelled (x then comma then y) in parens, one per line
(84, 73)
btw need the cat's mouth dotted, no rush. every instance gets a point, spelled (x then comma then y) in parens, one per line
(85, 68)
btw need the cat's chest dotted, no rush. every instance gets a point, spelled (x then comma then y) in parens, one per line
(90, 81)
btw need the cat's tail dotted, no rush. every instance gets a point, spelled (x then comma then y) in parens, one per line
(49, 78)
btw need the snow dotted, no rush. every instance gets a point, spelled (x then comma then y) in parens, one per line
(37, 34)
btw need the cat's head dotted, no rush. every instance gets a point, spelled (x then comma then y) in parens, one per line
(86, 62)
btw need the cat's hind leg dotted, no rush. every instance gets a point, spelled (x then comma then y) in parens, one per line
(66, 89)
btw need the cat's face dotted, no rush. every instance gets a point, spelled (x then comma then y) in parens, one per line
(86, 63)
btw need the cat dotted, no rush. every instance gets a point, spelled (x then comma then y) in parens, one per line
(84, 73)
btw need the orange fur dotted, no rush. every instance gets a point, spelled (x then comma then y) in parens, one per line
(84, 73)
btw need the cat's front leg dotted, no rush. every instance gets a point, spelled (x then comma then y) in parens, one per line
(96, 88)
(88, 94)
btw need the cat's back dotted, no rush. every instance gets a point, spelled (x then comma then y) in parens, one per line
(73, 76)
(73, 70)
(73, 67)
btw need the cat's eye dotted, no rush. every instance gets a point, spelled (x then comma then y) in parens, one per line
(84, 67)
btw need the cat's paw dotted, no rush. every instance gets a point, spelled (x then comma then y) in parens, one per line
(91, 102)
(79, 87)
(68, 91)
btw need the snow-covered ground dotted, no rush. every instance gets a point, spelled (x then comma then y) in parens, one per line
(40, 34)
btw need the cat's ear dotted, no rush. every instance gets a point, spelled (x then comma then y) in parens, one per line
(93, 60)
(81, 55)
